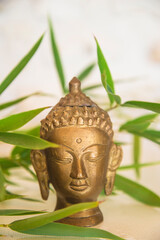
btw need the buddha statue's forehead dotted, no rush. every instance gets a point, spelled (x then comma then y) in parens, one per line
(79, 135)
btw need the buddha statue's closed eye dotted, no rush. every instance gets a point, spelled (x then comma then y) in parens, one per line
(86, 160)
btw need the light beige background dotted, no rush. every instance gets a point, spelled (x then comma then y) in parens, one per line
(128, 32)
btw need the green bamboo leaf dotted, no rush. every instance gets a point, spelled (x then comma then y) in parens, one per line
(34, 222)
(139, 124)
(6, 163)
(22, 154)
(136, 153)
(10, 196)
(155, 107)
(34, 131)
(151, 135)
(19, 67)
(133, 166)
(56, 57)
(106, 76)
(117, 98)
(91, 87)
(63, 230)
(25, 141)
(86, 72)
(120, 143)
(19, 153)
(18, 120)
(18, 100)
(18, 212)
(137, 191)
(2, 187)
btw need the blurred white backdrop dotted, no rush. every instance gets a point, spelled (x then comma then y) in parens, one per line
(129, 35)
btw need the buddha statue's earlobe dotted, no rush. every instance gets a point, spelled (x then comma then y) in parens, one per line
(38, 159)
(115, 158)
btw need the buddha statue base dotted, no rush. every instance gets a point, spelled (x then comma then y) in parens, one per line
(87, 218)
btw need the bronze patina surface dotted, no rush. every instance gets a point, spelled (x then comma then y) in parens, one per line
(87, 160)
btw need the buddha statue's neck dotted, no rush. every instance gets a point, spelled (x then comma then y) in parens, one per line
(85, 218)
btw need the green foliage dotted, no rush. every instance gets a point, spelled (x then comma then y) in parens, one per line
(25, 141)
(82, 76)
(63, 230)
(38, 221)
(18, 120)
(6, 163)
(2, 188)
(139, 124)
(136, 153)
(16, 101)
(155, 107)
(9, 196)
(106, 76)
(152, 135)
(91, 87)
(56, 57)
(137, 191)
(18, 212)
(140, 165)
(19, 67)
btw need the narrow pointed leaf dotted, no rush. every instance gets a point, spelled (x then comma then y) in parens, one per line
(116, 97)
(18, 120)
(139, 124)
(9, 196)
(22, 154)
(137, 191)
(6, 163)
(34, 222)
(136, 153)
(106, 76)
(56, 57)
(25, 141)
(86, 72)
(151, 135)
(2, 188)
(91, 87)
(34, 131)
(19, 67)
(19, 153)
(120, 143)
(18, 100)
(155, 107)
(64, 230)
(141, 165)
(18, 212)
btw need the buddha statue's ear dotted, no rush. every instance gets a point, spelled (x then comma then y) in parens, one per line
(38, 159)
(115, 158)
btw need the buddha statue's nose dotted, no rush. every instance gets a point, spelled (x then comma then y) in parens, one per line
(78, 170)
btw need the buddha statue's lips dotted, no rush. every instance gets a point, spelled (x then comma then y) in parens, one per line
(79, 184)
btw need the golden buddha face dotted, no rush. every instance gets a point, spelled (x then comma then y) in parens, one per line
(78, 168)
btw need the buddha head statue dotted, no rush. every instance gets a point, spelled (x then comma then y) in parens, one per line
(85, 161)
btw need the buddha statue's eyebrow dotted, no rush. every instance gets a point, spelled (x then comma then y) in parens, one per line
(93, 146)
(67, 147)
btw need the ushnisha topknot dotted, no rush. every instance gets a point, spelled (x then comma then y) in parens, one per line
(76, 109)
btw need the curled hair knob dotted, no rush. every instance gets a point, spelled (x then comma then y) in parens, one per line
(74, 86)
